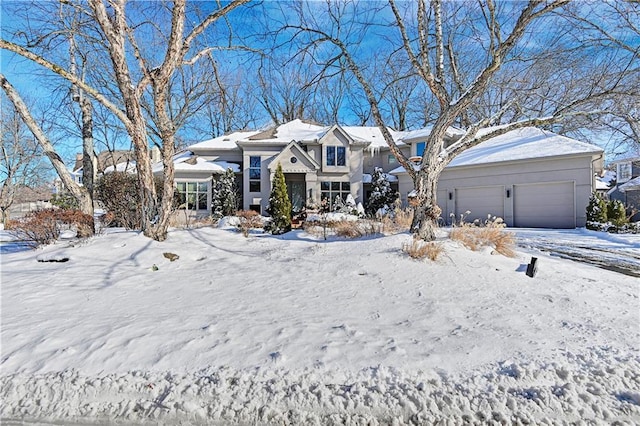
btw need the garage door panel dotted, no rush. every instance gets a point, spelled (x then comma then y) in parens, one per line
(549, 205)
(480, 202)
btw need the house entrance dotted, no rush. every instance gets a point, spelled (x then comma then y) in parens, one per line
(296, 189)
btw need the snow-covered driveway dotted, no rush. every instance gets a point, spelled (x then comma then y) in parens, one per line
(615, 252)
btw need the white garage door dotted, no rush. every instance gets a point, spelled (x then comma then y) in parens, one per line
(548, 205)
(480, 202)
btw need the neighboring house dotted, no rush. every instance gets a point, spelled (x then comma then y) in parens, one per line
(109, 161)
(28, 199)
(529, 177)
(627, 187)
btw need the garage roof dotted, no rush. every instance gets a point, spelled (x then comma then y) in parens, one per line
(523, 144)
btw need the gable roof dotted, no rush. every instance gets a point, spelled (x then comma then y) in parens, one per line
(225, 142)
(521, 144)
(293, 150)
(187, 161)
(631, 185)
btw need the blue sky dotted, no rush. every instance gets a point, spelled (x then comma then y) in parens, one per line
(370, 44)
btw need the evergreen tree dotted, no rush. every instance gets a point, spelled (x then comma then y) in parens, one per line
(596, 211)
(225, 195)
(279, 205)
(616, 213)
(382, 196)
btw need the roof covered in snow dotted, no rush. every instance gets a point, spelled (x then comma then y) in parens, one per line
(520, 144)
(302, 131)
(224, 142)
(604, 182)
(632, 185)
(187, 161)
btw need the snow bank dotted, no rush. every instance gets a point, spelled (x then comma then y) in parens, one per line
(600, 386)
(296, 330)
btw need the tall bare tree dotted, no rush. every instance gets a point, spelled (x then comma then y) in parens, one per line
(79, 192)
(435, 38)
(20, 158)
(124, 32)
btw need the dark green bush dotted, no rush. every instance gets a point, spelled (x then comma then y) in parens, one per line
(279, 205)
(119, 194)
(596, 211)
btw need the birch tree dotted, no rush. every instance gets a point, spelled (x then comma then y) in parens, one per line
(436, 38)
(138, 70)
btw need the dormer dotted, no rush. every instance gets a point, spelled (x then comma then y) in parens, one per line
(336, 151)
(294, 159)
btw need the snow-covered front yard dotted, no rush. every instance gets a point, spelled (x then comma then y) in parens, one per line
(298, 330)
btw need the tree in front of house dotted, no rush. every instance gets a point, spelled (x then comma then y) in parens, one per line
(279, 205)
(616, 213)
(382, 195)
(225, 195)
(596, 211)
(437, 41)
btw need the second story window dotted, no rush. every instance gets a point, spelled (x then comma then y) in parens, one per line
(254, 174)
(420, 148)
(624, 172)
(336, 156)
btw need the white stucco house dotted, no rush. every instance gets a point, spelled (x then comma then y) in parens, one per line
(529, 177)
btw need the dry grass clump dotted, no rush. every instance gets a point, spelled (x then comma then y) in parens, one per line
(343, 228)
(399, 220)
(490, 233)
(348, 229)
(418, 249)
(249, 219)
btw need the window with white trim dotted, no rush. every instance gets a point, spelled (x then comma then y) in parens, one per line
(330, 190)
(192, 195)
(254, 173)
(420, 146)
(624, 172)
(336, 156)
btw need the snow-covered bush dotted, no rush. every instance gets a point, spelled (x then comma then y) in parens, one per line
(616, 213)
(225, 195)
(279, 205)
(347, 206)
(596, 211)
(382, 197)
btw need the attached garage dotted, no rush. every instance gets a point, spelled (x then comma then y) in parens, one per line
(480, 202)
(529, 177)
(548, 205)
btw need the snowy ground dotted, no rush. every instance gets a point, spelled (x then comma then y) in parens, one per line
(616, 252)
(297, 330)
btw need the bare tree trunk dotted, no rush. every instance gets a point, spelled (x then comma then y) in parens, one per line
(426, 210)
(167, 132)
(79, 192)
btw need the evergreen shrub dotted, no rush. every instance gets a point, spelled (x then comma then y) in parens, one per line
(279, 205)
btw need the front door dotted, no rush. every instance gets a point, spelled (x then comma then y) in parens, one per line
(296, 191)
